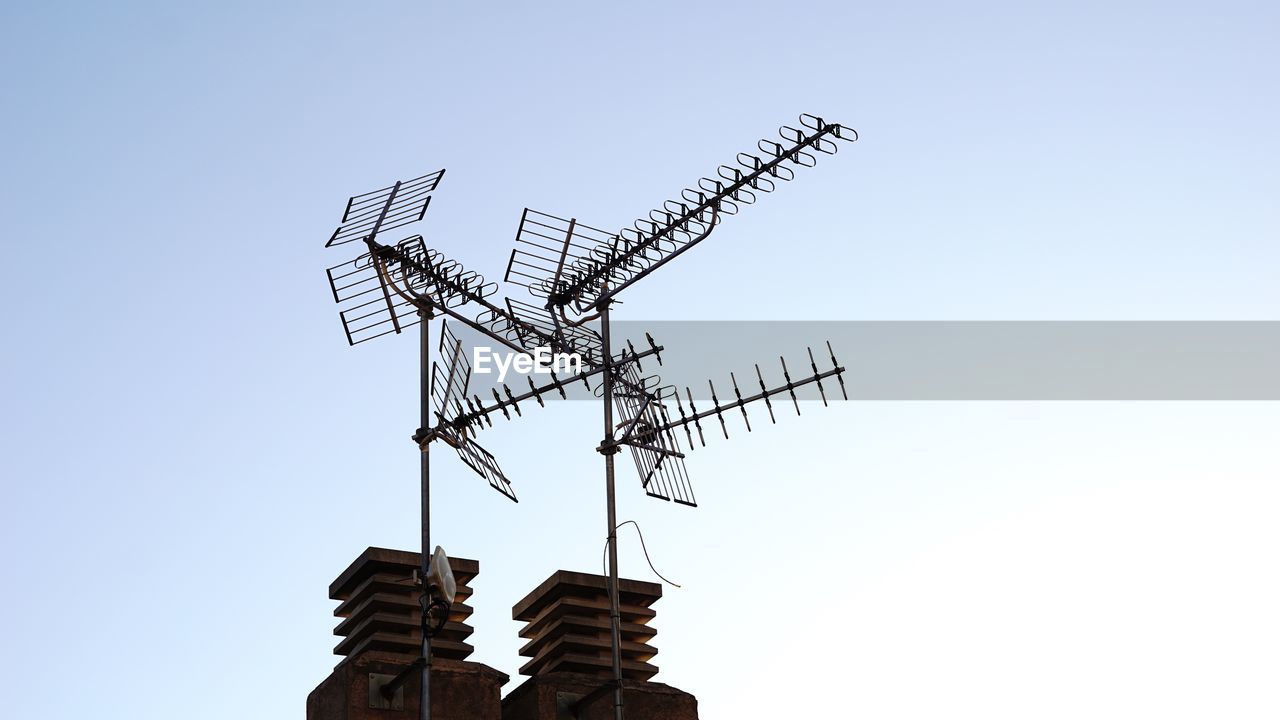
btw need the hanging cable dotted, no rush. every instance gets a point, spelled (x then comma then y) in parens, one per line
(604, 561)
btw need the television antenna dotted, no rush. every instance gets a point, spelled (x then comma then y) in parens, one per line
(571, 269)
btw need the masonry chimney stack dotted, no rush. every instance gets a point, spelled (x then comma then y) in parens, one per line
(568, 645)
(382, 636)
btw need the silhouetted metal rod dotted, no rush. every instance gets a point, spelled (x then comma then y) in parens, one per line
(479, 411)
(564, 253)
(630, 427)
(832, 353)
(813, 364)
(386, 295)
(389, 690)
(593, 278)
(391, 198)
(716, 401)
(742, 403)
(453, 373)
(608, 448)
(653, 448)
(789, 387)
(604, 689)
(689, 393)
(424, 389)
(767, 403)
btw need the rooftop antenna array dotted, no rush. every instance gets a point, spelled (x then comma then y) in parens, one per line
(574, 272)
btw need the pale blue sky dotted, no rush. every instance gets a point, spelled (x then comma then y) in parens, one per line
(192, 452)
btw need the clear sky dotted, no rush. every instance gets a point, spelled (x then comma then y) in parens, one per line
(191, 452)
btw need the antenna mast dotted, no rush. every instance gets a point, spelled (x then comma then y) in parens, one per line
(569, 267)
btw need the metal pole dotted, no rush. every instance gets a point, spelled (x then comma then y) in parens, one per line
(424, 381)
(608, 448)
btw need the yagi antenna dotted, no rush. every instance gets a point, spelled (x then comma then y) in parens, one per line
(574, 273)
(595, 266)
(654, 448)
(448, 391)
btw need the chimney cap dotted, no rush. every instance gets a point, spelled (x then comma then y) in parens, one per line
(377, 559)
(564, 583)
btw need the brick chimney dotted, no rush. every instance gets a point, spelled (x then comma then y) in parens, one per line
(381, 633)
(567, 627)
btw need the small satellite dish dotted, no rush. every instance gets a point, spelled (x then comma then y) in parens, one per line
(440, 582)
